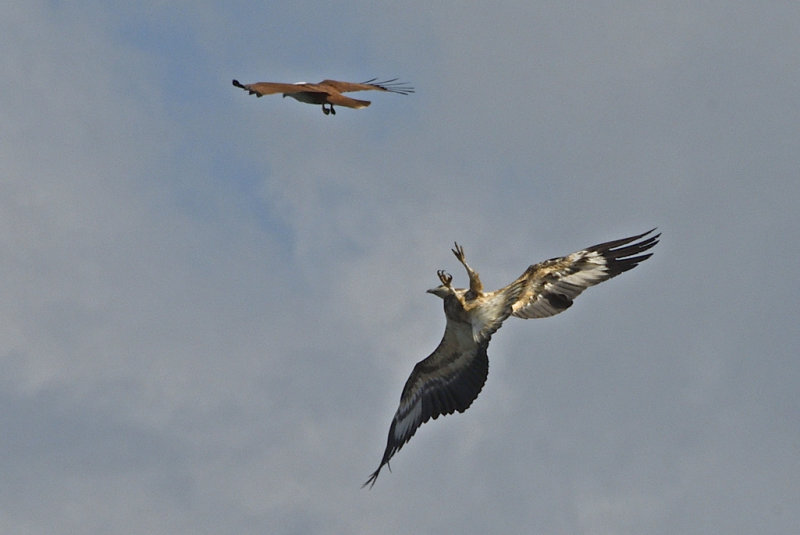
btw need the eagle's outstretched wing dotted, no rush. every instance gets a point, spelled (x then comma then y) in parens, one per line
(451, 378)
(448, 380)
(552, 285)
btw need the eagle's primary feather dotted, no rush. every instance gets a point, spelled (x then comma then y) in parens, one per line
(451, 377)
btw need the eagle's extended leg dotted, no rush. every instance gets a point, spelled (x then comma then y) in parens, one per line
(475, 284)
(333, 112)
(325, 110)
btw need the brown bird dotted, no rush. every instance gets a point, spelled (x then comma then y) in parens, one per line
(326, 92)
(451, 378)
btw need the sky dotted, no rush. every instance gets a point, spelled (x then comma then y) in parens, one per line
(210, 302)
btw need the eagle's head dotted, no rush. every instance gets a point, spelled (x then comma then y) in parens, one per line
(444, 289)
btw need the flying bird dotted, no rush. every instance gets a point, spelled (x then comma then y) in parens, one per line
(327, 92)
(453, 375)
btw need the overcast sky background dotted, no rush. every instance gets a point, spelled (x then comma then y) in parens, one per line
(209, 303)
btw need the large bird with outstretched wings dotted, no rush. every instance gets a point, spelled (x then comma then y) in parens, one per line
(453, 375)
(327, 92)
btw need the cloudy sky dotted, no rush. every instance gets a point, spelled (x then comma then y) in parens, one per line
(209, 302)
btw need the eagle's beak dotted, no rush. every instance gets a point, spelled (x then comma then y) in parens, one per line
(439, 291)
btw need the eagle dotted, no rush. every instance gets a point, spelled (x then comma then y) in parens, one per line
(327, 92)
(451, 378)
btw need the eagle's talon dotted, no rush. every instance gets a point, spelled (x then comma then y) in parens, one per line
(459, 252)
